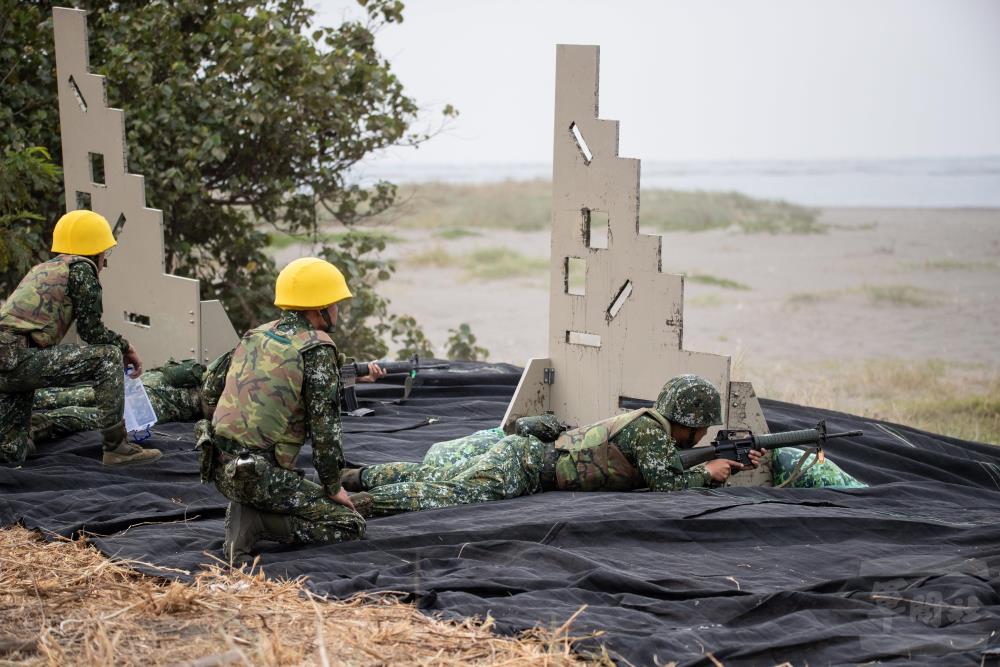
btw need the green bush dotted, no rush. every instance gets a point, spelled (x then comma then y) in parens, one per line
(462, 345)
(244, 117)
(26, 176)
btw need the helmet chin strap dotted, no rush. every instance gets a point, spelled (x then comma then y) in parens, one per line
(325, 314)
(691, 440)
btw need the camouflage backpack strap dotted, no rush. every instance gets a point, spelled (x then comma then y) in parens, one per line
(588, 460)
(621, 421)
(306, 340)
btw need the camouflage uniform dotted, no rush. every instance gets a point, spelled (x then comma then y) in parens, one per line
(483, 466)
(174, 391)
(282, 384)
(33, 320)
(488, 465)
(814, 475)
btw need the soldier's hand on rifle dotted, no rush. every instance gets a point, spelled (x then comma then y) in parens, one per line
(720, 469)
(132, 359)
(374, 373)
(341, 498)
(756, 455)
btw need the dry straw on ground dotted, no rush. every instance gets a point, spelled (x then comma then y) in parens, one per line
(63, 603)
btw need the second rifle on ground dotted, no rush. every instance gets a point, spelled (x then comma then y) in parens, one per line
(351, 371)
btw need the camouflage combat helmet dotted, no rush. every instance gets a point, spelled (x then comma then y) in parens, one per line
(691, 401)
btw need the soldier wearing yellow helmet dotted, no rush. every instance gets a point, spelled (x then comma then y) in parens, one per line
(281, 386)
(34, 319)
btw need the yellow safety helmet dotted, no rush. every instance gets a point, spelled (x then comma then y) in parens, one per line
(308, 283)
(82, 232)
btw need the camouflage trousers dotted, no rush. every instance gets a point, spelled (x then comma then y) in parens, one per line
(315, 519)
(63, 411)
(478, 468)
(24, 370)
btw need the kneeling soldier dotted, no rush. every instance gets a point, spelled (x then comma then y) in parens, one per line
(631, 451)
(34, 320)
(280, 387)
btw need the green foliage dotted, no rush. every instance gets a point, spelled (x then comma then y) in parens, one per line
(414, 342)
(240, 113)
(26, 176)
(462, 345)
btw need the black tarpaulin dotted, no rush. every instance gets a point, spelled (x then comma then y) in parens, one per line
(908, 569)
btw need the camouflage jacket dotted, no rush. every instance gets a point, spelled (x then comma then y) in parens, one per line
(318, 398)
(54, 294)
(652, 451)
(629, 451)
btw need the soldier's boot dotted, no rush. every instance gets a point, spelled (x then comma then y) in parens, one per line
(350, 479)
(364, 503)
(119, 451)
(245, 526)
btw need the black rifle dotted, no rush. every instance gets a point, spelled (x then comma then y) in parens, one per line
(736, 445)
(351, 371)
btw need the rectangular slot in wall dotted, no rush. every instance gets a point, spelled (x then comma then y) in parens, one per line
(585, 339)
(575, 276)
(619, 301)
(596, 229)
(119, 225)
(96, 168)
(83, 200)
(629, 403)
(581, 143)
(77, 94)
(137, 319)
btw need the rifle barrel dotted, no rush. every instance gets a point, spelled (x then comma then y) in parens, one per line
(802, 437)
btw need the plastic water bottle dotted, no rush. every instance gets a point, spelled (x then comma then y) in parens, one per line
(139, 413)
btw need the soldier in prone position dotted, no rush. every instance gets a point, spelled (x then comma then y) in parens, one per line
(631, 451)
(282, 384)
(33, 321)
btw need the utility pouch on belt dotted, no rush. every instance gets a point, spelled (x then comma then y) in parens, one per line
(246, 466)
(206, 449)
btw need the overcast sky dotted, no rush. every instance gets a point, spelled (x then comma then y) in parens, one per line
(707, 79)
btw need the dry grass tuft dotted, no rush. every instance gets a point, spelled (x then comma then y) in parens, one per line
(715, 281)
(900, 295)
(63, 603)
(436, 256)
